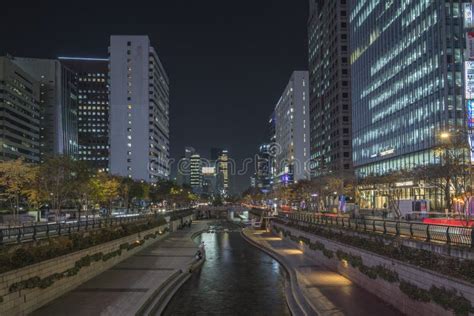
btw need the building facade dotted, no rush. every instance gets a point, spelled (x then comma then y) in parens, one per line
(221, 161)
(58, 105)
(139, 110)
(183, 172)
(196, 173)
(209, 181)
(19, 113)
(292, 130)
(91, 76)
(330, 88)
(263, 174)
(407, 84)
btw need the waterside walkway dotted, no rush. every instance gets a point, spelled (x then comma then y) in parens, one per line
(141, 284)
(314, 289)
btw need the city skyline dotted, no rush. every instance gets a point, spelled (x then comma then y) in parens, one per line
(312, 157)
(198, 58)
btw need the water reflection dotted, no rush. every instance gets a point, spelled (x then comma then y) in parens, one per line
(236, 279)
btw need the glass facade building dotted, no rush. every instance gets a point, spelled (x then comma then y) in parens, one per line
(93, 109)
(330, 88)
(407, 81)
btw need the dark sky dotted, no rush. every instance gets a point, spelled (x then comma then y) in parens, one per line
(228, 61)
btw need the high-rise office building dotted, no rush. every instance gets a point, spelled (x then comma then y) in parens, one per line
(93, 109)
(58, 105)
(183, 171)
(19, 113)
(407, 83)
(209, 180)
(220, 157)
(263, 175)
(292, 130)
(139, 110)
(196, 173)
(329, 88)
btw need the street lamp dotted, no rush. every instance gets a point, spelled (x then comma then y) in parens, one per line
(445, 135)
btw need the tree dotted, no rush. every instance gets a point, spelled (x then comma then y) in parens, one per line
(451, 174)
(386, 185)
(16, 178)
(59, 180)
(106, 189)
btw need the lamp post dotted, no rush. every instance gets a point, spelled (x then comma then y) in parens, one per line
(460, 134)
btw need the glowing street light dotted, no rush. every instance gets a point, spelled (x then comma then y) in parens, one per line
(445, 135)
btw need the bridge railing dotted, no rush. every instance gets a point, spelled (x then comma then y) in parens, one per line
(452, 235)
(17, 234)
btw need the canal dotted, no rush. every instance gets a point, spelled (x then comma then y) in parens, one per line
(236, 279)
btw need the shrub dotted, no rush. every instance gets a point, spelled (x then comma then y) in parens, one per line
(450, 300)
(368, 271)
(414, 292)
(386, 274)
(59, 246)
(328, 253)
(455, 267)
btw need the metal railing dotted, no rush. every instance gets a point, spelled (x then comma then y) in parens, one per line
(452, 235)
(37, 231)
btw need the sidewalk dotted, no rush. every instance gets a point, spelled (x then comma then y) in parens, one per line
(133, 283)
(328, 292)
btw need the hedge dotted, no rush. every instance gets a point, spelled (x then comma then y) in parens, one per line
(60, 246)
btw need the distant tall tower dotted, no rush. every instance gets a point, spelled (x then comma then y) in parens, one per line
(183, 174)
(93, 105)
(196, 173)
(223, 173)
(58, 105)
(139, 110)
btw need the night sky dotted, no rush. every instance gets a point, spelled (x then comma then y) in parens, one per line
(228, 61)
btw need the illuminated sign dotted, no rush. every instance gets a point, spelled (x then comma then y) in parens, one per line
(471, 143)
(469, 45)
(468, 18)
(208, 170)
(469, 78)
(387, 152)
(404, 184)
(470, 113)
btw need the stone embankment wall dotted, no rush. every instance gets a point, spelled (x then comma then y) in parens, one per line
(27, 289)
(383, 276)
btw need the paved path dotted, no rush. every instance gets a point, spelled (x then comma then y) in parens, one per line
(126, 287)
(328, 292)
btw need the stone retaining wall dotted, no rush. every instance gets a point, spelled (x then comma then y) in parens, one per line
(27, 300)
(174, 224)
(389, 292)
